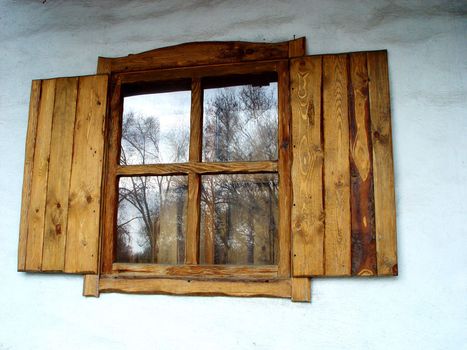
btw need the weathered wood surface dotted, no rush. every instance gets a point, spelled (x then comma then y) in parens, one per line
(226, 72)
(297, 47)
(194, 180)
(61, 162)
(307, 167)
(200, 53)
(361, 170)
(301, 289)
(91, 286)
(110, 177)
(336, 166)
(34, 105)
(198, 168)
(61, 148)
(216, 271)
(383, 167)
(275, 288)
(82, 245)
(40, 174)
(359, 217)
(283, 167)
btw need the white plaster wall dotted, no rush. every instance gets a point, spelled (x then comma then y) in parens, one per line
(424, 308)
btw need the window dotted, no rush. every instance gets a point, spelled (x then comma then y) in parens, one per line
(239, 169)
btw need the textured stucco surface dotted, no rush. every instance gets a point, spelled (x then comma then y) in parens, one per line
(424, 308)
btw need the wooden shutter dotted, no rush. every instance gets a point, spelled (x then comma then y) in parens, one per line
(60, 214)
(343, 213)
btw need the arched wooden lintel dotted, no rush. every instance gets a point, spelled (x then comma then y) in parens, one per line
(202, 53)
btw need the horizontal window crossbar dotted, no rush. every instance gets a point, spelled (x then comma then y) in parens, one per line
(198, 168)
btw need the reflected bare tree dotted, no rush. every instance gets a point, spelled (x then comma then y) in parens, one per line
(142, 198)
(239, 211)
(240, 124)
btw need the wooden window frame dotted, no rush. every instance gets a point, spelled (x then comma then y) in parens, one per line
(169, 64)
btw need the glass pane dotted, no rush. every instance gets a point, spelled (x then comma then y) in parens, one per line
(156, 128)
(240, 123)
(239, 219)
(151, 220)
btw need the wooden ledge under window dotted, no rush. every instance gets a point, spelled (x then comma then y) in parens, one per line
(297, 289)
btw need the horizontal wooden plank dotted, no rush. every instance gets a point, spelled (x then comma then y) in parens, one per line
(280, 288)
(198, 168)
(196, 54)
(218, 70)
(217, 271)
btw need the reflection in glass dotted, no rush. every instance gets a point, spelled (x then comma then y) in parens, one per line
(239, 219)
(156, 128)
(240, 123)
(151, 219)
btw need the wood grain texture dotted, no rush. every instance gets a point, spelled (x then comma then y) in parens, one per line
(40, 172)
(200, 53)
(207, 271)
(103, 66)
(274, 288)
(297, 47)
(301, 289)
(61, 148)
(28, 168)
(194, 180)
(111, 181)
(336, 166)
(82, 245)
(361, 170)
(284, 167)
(307, 167)
(383, 167)
(226, 71)
(198, 168)
(91, 286)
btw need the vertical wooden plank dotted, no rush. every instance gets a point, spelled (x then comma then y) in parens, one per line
(56, 212)
(383, 167)
(297, 47)
(82, 243)
(336, 166)
(284, 167)
(111, 181)
(28, 167)
(40, 174)
(301, 289)
(91, 286)
(361, 170)
(194, 180)
(307, 167)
